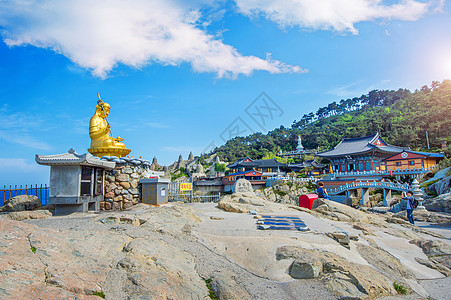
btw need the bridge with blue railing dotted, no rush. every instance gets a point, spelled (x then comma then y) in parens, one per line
(351, 189)
(382, 173)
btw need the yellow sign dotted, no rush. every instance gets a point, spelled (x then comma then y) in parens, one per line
(186, 186)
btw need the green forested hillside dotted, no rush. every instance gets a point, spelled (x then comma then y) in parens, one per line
(402, 118)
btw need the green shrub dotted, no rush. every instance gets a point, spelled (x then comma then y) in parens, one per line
(220, 167)
(100, 294)
(400, 289)
(33, 249)
(210, 290)
(279, 192)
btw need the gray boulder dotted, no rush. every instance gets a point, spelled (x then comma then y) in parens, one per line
(22, 202)
(243, 186)
(225, 287)
(441, 203)
(306, 268)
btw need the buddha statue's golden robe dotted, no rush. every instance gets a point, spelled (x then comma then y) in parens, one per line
(99, 131)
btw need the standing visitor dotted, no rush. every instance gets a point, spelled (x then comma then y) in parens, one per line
(410, 206)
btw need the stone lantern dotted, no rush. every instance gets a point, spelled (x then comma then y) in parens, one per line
(418, 194)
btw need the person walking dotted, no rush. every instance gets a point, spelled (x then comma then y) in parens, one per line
(410, 206)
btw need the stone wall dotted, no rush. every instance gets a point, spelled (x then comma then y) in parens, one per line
(122, 188)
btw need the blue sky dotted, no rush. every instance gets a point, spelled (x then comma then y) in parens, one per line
(178, 74)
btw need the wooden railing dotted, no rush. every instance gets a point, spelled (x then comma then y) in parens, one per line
(41, 191)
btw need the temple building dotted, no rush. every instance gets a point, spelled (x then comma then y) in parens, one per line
(311, 167)
(254, 177)
(360, 154)
(412, 160)
(268, 167)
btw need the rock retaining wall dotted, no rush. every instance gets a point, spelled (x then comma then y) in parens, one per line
(122, 188)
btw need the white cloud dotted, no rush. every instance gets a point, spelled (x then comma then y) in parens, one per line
(98, 35)
(337, 15)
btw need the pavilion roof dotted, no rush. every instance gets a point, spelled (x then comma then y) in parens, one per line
(73, 158)
(361, 145)
(306, 164)
(258, 163)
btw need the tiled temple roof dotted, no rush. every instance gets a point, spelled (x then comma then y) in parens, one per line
(73, 158)
(361, 145)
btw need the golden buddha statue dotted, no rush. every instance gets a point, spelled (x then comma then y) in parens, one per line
(99, 131)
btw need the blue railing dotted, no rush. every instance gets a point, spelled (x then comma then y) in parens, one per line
(383, 172)
(371, 184)
(40, 191)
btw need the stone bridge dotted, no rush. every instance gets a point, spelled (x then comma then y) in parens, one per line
(387, 187)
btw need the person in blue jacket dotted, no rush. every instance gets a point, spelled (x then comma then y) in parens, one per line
(321, 191)
(410, 199)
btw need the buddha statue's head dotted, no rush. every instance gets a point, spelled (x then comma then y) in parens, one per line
(106, 109)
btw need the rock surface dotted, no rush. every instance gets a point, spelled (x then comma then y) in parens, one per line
(441, 203)
(21, 202)
(343, 278)
(170, 252)
(25, 215)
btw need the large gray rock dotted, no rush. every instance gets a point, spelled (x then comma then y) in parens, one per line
(22, 202)
(243, 186)
(432, 247)
(225, 286)
(441, 203)
(306, 268)
(443, 185)
(345, 279)
(75, 258)
(25, 215)
(307, 263)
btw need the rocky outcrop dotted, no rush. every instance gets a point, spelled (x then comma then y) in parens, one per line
(307, 264)
(225, 287)
(442, 186)
(26, 215)
(441, 203)
(80, 259)
(441, 182)
(438, 253)
(284, 192)
(346, 280)
(341, 212)
(245, 202)
(21, 202)
(425, 216)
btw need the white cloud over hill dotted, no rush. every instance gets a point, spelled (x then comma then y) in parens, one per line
(337, 15)
(97, 35)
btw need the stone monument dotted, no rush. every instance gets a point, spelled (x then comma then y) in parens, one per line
(243, 186)
(102, 141)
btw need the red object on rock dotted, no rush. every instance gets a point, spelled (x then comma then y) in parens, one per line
(306, 200)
